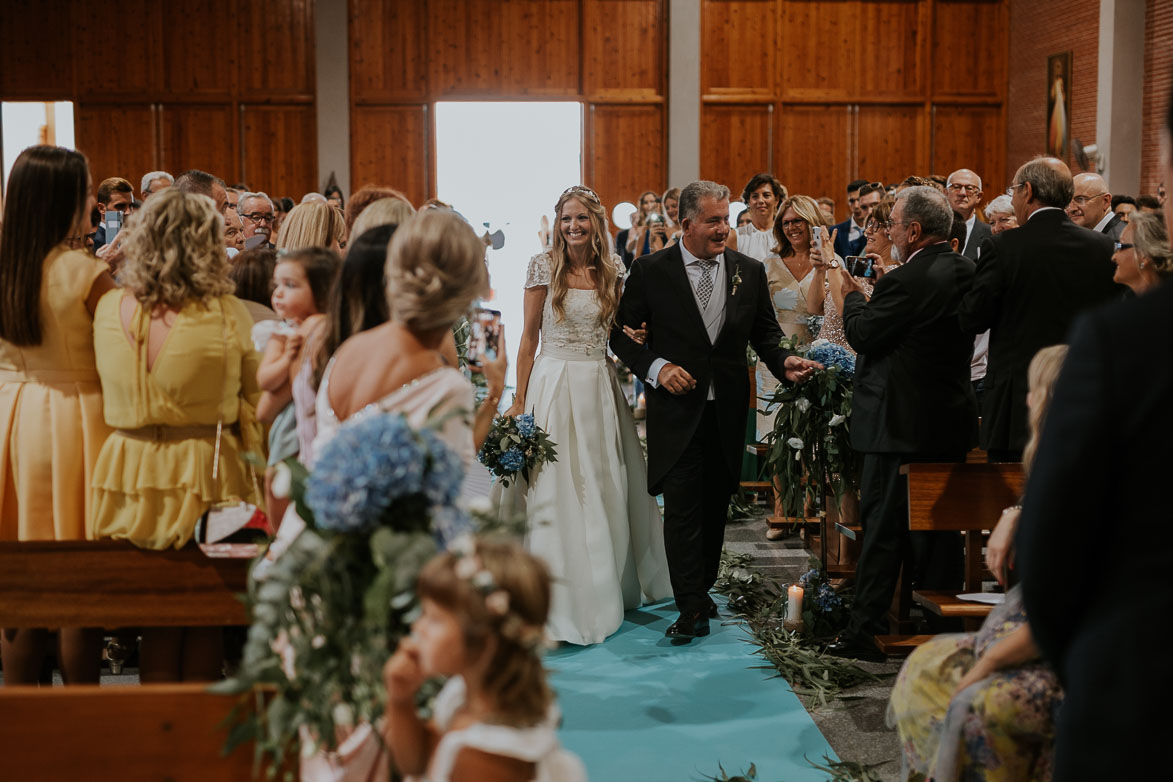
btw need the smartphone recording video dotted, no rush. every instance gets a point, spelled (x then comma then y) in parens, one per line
(485, 339)
(860, 266)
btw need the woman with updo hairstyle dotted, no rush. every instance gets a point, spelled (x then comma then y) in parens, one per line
(1143, 259)
(179, 384)
(51, 426)
(572, 392)
(313, 224)
(435, 271)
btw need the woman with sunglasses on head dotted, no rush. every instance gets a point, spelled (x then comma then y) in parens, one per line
(600, 533)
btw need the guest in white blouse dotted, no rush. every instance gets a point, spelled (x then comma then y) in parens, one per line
(762, 195)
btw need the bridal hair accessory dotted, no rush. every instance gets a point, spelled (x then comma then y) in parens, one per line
(470, 569)
(580, 190)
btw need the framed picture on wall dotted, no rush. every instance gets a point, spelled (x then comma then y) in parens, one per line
(1059, 105)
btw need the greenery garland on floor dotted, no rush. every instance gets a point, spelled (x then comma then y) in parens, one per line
(839, 770)
(798, 658)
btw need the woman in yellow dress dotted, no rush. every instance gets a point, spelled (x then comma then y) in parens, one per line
(51, 426)
(179, 382)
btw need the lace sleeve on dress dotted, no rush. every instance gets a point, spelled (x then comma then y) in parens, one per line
(620, 269)
(539, 271)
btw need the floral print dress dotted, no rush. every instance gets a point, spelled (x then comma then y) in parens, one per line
(1001, 728)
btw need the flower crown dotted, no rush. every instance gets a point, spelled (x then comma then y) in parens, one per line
(470, 569)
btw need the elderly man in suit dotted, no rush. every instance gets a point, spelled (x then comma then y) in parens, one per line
(912, 403)
(964, 190)
(1091, 206)
(701, 305)
(1030, 285)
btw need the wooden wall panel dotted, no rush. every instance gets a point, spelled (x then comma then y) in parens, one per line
(625, 152)
(118, 140)
(970, 137)
(278, 60)
(487, 48)
(969, 48)
(280, 145)
(812, 150)
(625, 52)
(859, 50)
(389, 146)
(737, 40)
(30, 61)
(388, 50)
(125, 65)
(200, 136)
(735, 143)
(200, 41)
(890, 142)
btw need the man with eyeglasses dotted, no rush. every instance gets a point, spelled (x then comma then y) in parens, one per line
(964, 190)
(1091, 206)
(862, 196)
(1030, 285)
(258, 215)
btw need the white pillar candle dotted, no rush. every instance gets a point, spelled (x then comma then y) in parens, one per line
(794, 604)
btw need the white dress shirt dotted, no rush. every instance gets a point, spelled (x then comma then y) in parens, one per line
(713, 315)
(1107, 218)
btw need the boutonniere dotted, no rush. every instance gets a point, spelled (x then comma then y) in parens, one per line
(736, 280)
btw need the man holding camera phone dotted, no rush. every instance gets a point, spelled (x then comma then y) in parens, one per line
(912, 403)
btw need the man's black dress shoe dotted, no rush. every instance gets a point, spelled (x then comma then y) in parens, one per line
(855, 648)
(690, 625)
(712, 614)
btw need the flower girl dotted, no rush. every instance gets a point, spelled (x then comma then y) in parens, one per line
(484, 606)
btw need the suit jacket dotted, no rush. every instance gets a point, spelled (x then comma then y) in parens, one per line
(1094, 546)
(1114, 228)
(973, 242)
(1031, 283)
(844, 247)
(912, 392)
(658, 292)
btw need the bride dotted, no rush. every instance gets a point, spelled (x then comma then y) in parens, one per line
(590, 518)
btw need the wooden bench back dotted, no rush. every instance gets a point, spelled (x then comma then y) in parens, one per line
(111, 583)
(153, 732)
(960, 497)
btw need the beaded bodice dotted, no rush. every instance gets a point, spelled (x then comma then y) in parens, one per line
(579, 329)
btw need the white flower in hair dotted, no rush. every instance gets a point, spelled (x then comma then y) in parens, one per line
(498, 602)
(467, 567)
(483, 579)
(463, 546)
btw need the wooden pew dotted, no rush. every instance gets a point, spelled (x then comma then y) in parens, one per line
(967, 498)
(112, 584)
(153, 732)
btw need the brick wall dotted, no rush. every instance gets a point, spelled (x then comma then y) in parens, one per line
(1158, 81)
(1038, 29)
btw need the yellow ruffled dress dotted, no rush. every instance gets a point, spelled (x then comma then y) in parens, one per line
(152, 492)
(51, 425)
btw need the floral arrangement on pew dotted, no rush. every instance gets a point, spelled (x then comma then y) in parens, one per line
(327, 613)
(515, 444)
(810, 446)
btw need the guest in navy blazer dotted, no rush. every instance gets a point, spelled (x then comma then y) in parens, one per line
(861, 197)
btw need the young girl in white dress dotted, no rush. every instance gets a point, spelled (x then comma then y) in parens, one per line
(483, 607)
(590, 516)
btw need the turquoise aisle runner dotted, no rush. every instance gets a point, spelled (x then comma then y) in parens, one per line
(638, 709)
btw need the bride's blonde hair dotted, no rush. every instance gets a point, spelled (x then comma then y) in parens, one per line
(606, 273)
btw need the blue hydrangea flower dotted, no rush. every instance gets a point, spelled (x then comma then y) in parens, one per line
(525, 425)
(448, 524)
(372, 462)
(827, 599)
(513, 459)
(806, 578)
(831, 355)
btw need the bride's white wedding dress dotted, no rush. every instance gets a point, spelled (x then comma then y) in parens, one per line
(590, 516)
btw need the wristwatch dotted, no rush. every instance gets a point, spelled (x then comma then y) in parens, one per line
(834, 264)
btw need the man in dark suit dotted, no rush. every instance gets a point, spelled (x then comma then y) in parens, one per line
(1091, 206)
(1093, 544)
(1030, 285)
(964, 191)
(701, 304)
(912, 402)
(849, 238)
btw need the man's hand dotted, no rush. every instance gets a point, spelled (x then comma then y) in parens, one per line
(638, 336)
(799, 370)
(848, 284)
(674, 378)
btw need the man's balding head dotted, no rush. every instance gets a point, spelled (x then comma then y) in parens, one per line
(964, 190)
(1091, 200)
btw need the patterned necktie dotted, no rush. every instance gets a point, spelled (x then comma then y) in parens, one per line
(704, 288)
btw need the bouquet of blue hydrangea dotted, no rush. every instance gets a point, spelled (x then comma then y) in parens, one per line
(824, 611)
(516, 445)
(379, 503)
(810, 446)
